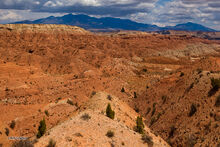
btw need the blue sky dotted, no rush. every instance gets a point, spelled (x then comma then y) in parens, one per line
(162, 2)
(159, 12)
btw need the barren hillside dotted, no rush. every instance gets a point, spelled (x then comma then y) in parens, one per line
(52, 72)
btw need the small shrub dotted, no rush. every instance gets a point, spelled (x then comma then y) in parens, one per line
(23, 143)
(7, 131)
(46, 112)
(109, 97)
(85, 117)
(110, 134)
(41, 128)
(147, 139)
(51, 143)
(192, 110)
(93, 93)
(70, 102)
(215, 86)
(217, 101)
(109, 112)
(122, 143)
(30, 51)
(122, 90)
(181, 74)
(139, 125)
(172, 130)
(12, 125)
(144, 70)
(135, 95)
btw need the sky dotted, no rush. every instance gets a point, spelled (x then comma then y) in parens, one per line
(158, 12)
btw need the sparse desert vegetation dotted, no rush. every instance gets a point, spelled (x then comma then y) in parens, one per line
(153, 87)
(110, 134)
(109, 112)
(139, 125)
(41, 128)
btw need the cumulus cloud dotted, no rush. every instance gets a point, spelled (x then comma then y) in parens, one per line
(9, 15)
(181, 11)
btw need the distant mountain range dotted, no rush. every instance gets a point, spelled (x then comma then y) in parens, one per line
(109, 23)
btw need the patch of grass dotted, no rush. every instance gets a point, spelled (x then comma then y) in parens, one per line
(215, 86)
(192, 110)
(12, 124)
(51, 143)
(85, 117)
(41, 128)
(110, 134)
(217, 101)
(109, 112)
(147, 139)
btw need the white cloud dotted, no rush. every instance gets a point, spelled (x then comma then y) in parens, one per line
(9, 15)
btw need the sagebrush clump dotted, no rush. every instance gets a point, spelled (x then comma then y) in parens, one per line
(85, 117)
